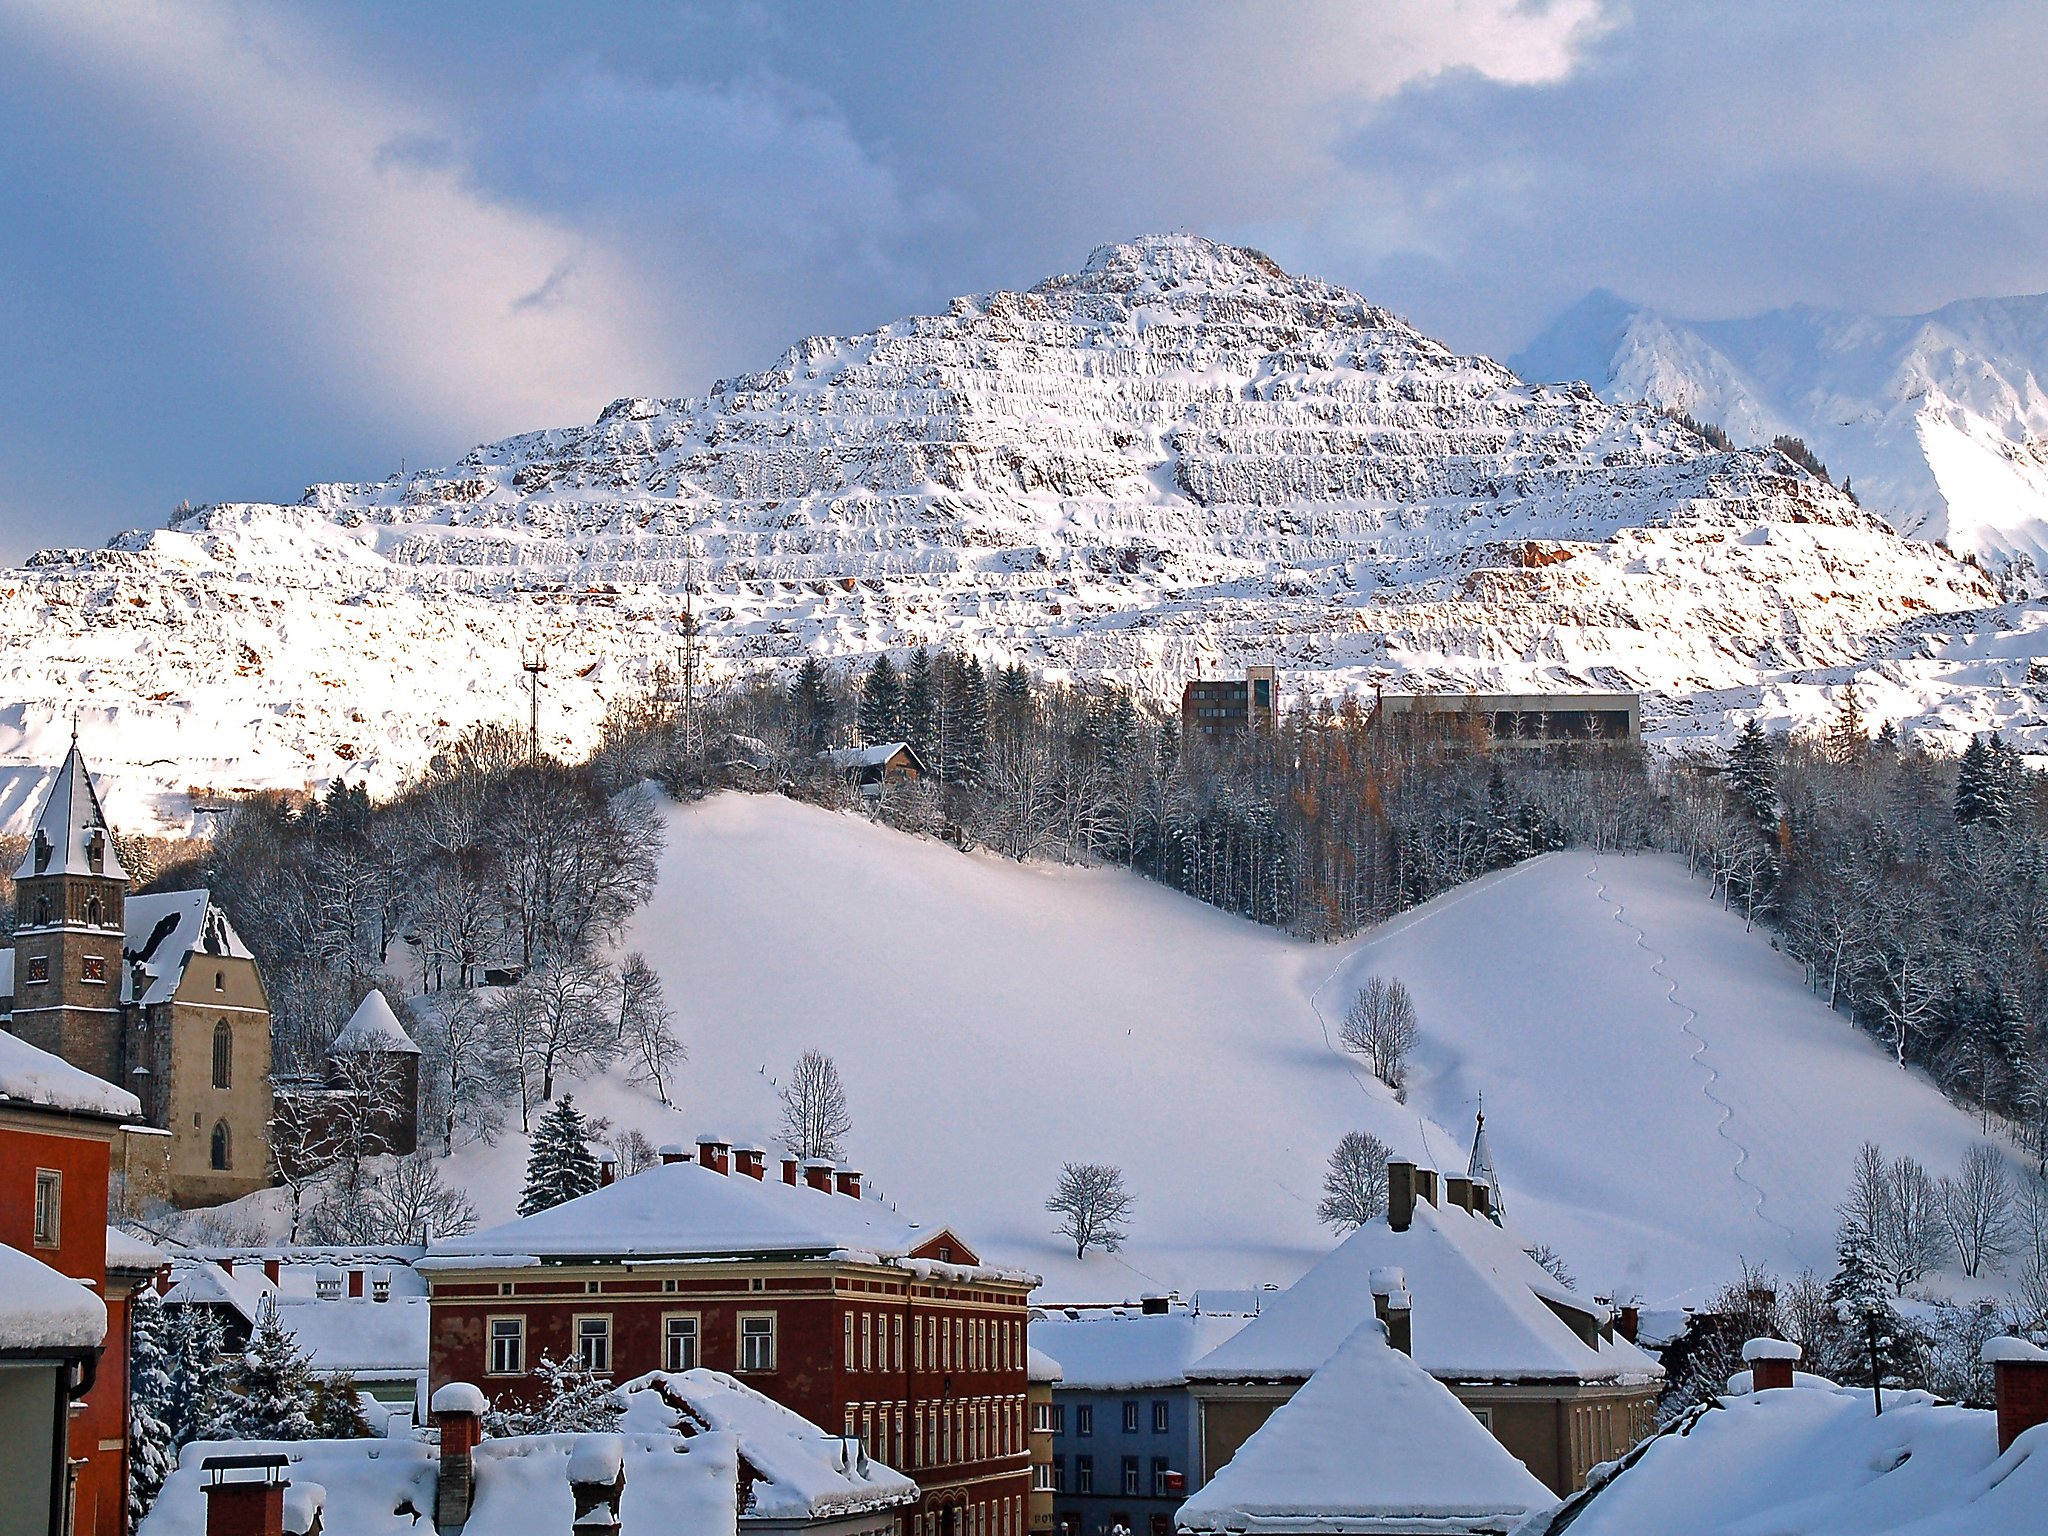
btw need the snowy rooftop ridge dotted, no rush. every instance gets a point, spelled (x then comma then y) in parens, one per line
(165, 929)
(43, 1309)
(1127, 1349)
(29, 1075)
(71, 835)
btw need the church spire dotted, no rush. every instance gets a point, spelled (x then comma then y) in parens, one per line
(71, 835)
(1480, 1168)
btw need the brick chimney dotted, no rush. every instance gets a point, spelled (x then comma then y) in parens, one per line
(1458, 1191)
(458, 1410)
(226, 1262)
(1628, 1321)
(607, 1169)
(2019, 1386)
(818, 1173)
(1425, 1184)
(1770, 1363)
(789, 1170)
(597, 1479)
(355, 1283)
(752, 1161)
(713, 1154)
(1393, 1306)
(1400, 1194)
(1482, 1199)
(1155, 1304)
(847, 1181)
(272, 1269)
(245, 1495)
(672, 1152)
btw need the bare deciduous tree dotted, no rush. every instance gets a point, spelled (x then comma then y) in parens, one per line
(468, 1077)
(1355, 1188)
(647, 1027)
(409, 1203)
(572, 1024)
(1380, 1026)
(1093, 1206)
(815, 1119)
(1977, 1207)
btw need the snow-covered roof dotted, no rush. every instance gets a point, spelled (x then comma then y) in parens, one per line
(125, 1252)
(876, 756)
(1371, 1442)
(70, 828)
(374, 1027)
(198, 1283)
(1817, 1461)
(802, 1472)
(164, 932)
(370, 1339)
(31, 1075)
(1126, 1349)
(1483, 1310)
(372, 1486)
(1039, 1366)
(684, 1210)
(42, 1309)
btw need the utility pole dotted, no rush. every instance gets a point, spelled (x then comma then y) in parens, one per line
(533, 665)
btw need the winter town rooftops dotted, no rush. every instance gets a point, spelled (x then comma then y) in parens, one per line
(1126, 1349)
(1371, 1443)
(71, 835)
(1815, 1460)
(42, 1309)
(132, 1253)
(687, 1210)
(1485, 1310)
(164, 932)
(799, 1471)
(373, 1027)
(1041, 1367)
(32, 1076)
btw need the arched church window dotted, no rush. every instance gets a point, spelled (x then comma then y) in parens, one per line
(42, 911)
(223, 1055)
(92, 911)
(220, 1146)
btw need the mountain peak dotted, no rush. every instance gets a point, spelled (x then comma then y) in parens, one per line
(1178, 259)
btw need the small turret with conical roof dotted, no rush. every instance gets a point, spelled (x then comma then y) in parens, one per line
(1480, 1167)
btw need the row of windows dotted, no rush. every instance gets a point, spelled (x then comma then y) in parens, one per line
(1084, 1418)
(681, 1336)
(939, 1434)
(874, 1342)
(995, 1517)
(1130, 1470)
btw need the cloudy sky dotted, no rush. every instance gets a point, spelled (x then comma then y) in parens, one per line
(247, 246)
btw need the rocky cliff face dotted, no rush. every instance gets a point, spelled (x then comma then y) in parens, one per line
(1179, 454)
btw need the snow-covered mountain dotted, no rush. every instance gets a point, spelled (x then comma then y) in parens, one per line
(1180, 453)
(1940, 420)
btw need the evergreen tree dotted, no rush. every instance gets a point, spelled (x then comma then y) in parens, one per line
(1013, 699)
(152, 1402)
(1752, 775)
(1847, 735)
(1507, 835)
(880, 716)
(1976, 793)
(202, 1407)
(812, 706)
(1857, 1299)
(273, 1384)
(338, 1409)
(560, 1167)
(966, 712)
(921, 706)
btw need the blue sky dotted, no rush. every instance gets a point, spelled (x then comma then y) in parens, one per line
(244, 247)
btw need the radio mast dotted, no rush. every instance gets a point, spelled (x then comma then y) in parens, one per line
(534, 665)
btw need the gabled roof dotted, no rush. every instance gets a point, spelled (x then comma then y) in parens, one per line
(686, 1210)
(1373, 1443)
(1127, 1349)
(42, 1309)
(877, 756)
(1484, 1310)
(373, 1027)
(32, 1076)
(164, 932)
(69, 827)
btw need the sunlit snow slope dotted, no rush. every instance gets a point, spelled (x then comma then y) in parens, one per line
(993, 1020)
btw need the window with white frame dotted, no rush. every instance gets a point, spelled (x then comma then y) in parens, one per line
(49, 1207)
(508, 1346)
(594, 1343)
(757, 1341)
(679, 1341)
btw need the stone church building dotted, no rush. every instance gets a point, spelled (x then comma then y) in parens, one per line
(156, 994)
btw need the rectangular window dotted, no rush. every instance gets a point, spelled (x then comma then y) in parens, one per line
(49, 1207)
(757, 1342)
(1159, 1418)
(849, 1341)
(679, 1342)
(1130, 1470)
(896, 1342)
(1059, 1474)
(594, 1343)
(1041, 1478)
(93, 968)
(508, 1346)
(1084, 1474)
(1084, 1418)
(1041, 1417)
(867, 1342)
(1059, 1418)
(38, 967)
(1130, 1418)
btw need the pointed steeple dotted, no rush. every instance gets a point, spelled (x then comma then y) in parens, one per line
(71, 835)
(1480, 1168)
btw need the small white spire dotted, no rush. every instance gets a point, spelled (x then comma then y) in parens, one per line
(1480, 1167)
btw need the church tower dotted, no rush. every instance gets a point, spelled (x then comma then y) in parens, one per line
(70, 893)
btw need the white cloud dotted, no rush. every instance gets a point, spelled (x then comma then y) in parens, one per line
(390, 269)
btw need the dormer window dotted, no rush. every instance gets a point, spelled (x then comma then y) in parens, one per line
(96, 851)
(43, 850)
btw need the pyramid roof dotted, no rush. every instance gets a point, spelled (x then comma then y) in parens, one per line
(63, 839)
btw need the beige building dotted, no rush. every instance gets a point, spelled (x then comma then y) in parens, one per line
(156, 994)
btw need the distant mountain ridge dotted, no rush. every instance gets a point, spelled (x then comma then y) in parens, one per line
(1940, 420)
(1180, 455)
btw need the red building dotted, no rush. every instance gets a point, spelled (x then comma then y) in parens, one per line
(832, 1305)
(57, 1130)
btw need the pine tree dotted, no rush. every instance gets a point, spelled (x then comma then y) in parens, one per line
(1976, 794)
(880, 716)
(1013, 699)
(1507, 834)
(202, 1406)
(152, 1402)
(1752, 775)
(1847, 735)
(338, 1409)
(273, 1384)
(921, 705)
(560, 1167)
(812, 706)
(966, 711)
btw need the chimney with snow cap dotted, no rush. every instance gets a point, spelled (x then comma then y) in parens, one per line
(672, 1152)
(607, 1169)
(355, 1282)
(1628, 1321)
(1482, 1199)
(847, 1181)
(752, 1161)
(2019, 1386)
(458, 1410)
(272, 1268)
(597, 1479)
(1393, 1306)
(789, 1169)
(1400, 1194)
(1457, 1191)
(1770, 1363)
(1425, 1184)
(818, 1173)
(712, 1153)
(245, 1494)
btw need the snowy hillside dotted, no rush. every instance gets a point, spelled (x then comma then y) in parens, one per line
(1941, 420)
(1180, 453)
(994, 1020)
